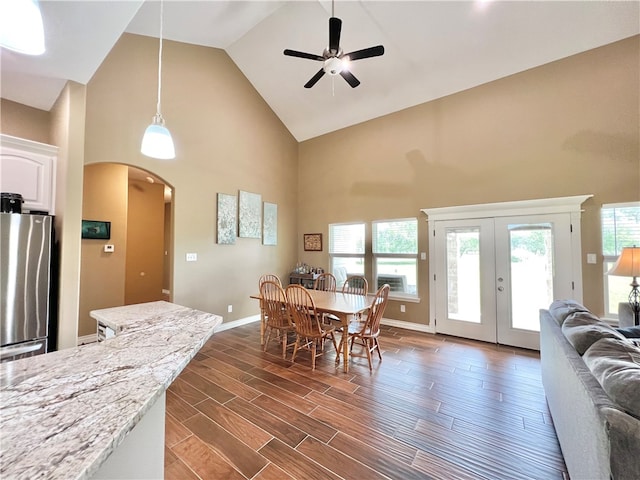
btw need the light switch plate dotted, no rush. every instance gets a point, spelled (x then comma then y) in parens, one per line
(109, 248)
(192, 257)
(591, 258)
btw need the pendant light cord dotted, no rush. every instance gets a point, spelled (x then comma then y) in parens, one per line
(160, 58)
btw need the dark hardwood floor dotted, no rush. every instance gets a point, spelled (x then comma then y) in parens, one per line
(435, 407)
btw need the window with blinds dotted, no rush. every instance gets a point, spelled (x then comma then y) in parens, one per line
(620, 228)
(346, 250)
(395, 252)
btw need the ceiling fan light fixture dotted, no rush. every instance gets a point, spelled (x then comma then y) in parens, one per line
(333, 65)
(21, 28)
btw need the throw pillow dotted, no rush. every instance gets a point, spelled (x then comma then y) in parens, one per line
(630, 332)
(583, 329)
(616, 365)
(561, 309)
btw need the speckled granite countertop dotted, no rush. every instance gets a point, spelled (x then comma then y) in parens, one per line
(63, 413)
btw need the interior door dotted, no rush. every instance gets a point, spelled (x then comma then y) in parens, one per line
(493, 275)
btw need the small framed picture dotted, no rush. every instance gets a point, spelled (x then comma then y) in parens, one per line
(313, 242)
(96, 230)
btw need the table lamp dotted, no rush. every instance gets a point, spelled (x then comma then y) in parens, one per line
(628, 265)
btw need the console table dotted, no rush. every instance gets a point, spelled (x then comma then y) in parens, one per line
(304, 279)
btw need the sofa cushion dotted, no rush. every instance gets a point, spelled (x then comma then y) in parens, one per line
(583, 329)
(561, 309)
(630, 332)
(616, 365)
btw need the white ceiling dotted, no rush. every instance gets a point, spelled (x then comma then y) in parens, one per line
(432, 48)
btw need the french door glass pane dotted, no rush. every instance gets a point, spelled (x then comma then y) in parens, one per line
(531, 249)
(463, 274)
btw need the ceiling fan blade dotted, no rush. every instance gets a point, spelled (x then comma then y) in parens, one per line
(335, 25)
(314, 79)
(351, 80)
(309, 56)
(365, 53)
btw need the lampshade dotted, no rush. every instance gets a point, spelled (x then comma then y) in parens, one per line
(157, 141)
(628, 264)
(21, 27)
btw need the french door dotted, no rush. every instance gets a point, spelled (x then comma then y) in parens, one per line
(493, 275)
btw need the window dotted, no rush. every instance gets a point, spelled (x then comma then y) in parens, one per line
(620, 228)
(346, 250)
(395, 252)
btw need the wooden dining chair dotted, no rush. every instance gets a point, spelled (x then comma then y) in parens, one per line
(366, 333)
(274, 302)
(356, 284)
(326, 282)
(267, 277)
(310, 332)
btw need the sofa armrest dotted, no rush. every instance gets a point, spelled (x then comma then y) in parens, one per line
(575, 400)
(624, 434)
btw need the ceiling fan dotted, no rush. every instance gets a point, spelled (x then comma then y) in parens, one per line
(335, 61)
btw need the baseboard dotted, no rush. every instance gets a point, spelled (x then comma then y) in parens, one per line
(418, 327)
(86, 339)
(237, 323)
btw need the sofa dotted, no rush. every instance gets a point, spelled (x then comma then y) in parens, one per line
(591, 377)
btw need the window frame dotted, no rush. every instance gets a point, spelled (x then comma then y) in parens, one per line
(379, 255)
(353, 255)
(609, 260)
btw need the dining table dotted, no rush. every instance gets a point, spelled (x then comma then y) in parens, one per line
(342, 305)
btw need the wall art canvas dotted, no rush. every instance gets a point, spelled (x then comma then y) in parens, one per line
(227, 219)
(270, 224)
(250, 213)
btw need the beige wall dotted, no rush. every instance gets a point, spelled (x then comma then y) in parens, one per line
(68, 134)
(24, 122)
(102, 274)
(567, 128)
(227, 139)
(145, 243)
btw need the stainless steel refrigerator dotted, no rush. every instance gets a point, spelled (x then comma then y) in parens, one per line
(25, 274)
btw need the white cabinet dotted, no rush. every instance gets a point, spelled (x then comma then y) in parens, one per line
(29, 168)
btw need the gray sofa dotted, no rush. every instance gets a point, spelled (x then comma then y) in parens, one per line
(591, 377)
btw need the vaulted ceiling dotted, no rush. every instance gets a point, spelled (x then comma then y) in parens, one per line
(432, 48)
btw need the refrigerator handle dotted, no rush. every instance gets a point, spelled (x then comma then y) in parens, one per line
(6, 352)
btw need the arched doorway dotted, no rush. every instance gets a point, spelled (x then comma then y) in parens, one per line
(137, 265)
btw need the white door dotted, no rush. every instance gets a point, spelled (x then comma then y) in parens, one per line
(465, 292)
(493, 275)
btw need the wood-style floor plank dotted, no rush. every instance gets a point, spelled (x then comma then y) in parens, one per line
(436, 407)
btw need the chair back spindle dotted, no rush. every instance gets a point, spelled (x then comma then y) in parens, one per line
(357, 285)
(326, 282)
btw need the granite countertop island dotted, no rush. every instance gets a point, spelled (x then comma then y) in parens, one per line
(63, 413)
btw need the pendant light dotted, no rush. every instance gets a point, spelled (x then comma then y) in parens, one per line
(21, 27)
(157, 141)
